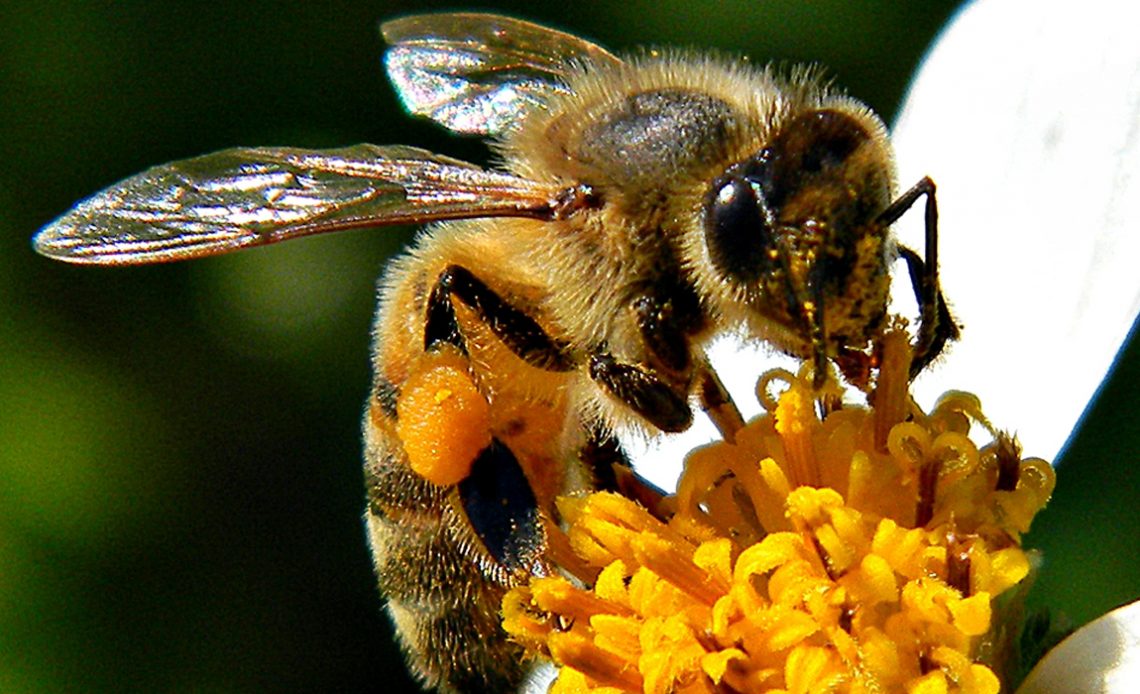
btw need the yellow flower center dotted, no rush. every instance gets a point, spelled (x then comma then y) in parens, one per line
(861, 550)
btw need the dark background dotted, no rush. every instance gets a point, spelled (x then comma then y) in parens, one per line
(180, 487)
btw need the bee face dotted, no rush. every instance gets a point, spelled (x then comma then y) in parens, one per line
(794, 227)
(643, 207)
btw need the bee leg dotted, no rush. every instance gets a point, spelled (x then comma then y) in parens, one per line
(718, 404)
(936, 325)
(501, 508)
(518, 331)
(666, 317)
(495, 495)
(603, 456)
(612, 471)
(643, 392)
(646, 394)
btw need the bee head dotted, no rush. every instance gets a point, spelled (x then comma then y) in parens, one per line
(793, 229)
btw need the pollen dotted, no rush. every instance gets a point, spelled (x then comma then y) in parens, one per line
(849, 549)
(443, 420)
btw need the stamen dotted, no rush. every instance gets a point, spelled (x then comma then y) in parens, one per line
(826, 549)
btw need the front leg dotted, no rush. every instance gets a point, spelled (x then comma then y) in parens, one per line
(936, 326)
(668, 313)
(718, 404)
(642, 391)
(662, 406)
(666, 319)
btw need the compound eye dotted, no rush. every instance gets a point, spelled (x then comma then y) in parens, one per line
(736, 229)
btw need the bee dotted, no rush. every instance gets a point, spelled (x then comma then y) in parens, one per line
(642, 207)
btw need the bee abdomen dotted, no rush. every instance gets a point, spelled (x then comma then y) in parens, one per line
(437, 640)
(438, 596)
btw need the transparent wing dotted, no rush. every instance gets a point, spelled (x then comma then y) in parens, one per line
(478, 73)
(253, 196)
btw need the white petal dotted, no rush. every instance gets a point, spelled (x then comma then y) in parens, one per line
(1027, 116)
(1101, 657)
(540, 679)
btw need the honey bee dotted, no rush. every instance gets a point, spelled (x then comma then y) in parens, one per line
(642, 207)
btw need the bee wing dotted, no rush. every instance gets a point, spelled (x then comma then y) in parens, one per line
(244, 197)
(477, 73)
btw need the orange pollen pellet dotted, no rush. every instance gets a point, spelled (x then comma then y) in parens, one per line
(443, 420)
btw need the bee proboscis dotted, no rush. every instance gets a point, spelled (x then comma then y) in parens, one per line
(643, 207)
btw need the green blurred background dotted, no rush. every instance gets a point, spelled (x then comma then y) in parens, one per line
(180, 487)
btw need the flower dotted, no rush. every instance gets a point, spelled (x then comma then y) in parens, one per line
(1038, 167)
(830, 548)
